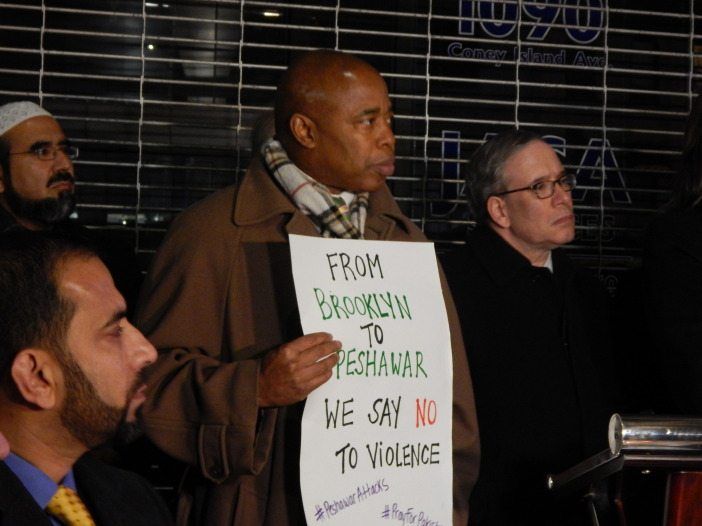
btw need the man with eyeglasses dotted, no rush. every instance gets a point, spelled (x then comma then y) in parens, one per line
(36, 173)
(535, 333)
(37, 188)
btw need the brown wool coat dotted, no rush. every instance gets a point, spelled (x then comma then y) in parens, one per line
(218, 296)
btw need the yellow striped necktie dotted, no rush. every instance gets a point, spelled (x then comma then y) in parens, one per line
(67, 507)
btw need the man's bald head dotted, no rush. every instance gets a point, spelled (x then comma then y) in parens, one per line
(313, 82)
(334, 118)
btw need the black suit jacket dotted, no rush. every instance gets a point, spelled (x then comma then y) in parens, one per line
(538, 350)
(114, 498)
(672, 286)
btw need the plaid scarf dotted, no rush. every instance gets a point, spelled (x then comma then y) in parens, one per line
(330, 213)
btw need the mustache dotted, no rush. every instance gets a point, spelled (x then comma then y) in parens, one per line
(139, 381)
(61, 177)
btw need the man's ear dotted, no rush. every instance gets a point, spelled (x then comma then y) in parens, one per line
(498, 212)
(303, 130)
(35, 373)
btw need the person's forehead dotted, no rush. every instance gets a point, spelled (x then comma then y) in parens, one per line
(534, 160)
(360, 91)
(362, 73)
(87, 283)
(35, 129)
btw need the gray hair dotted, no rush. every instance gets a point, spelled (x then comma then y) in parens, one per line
(485, 176)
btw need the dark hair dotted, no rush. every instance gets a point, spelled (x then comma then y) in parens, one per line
(485, 175)
(687, 187)
(32, 311)
(262, 130)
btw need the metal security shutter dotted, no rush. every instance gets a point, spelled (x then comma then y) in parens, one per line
(161, 97)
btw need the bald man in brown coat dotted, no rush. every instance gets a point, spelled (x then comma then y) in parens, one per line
(219, 302)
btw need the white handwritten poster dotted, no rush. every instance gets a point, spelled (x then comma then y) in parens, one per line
(376, 438)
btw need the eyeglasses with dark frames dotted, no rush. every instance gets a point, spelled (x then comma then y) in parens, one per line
(49, 152)
(545, 189)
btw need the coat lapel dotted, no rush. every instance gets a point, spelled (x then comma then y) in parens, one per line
(258, 198)
(381, 226)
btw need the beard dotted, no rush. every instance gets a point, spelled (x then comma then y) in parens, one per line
(47, 211)
(86, 416)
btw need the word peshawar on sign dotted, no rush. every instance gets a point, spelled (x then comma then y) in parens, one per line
(376, 438)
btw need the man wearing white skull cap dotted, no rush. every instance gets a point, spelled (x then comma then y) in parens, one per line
(37, 188)
(36, 173)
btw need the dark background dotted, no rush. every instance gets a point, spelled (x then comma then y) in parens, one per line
(161, 96)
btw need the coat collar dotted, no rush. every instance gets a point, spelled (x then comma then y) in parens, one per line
(260, 199)
(502, 262)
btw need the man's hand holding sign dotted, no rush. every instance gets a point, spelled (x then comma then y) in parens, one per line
(376, 438)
